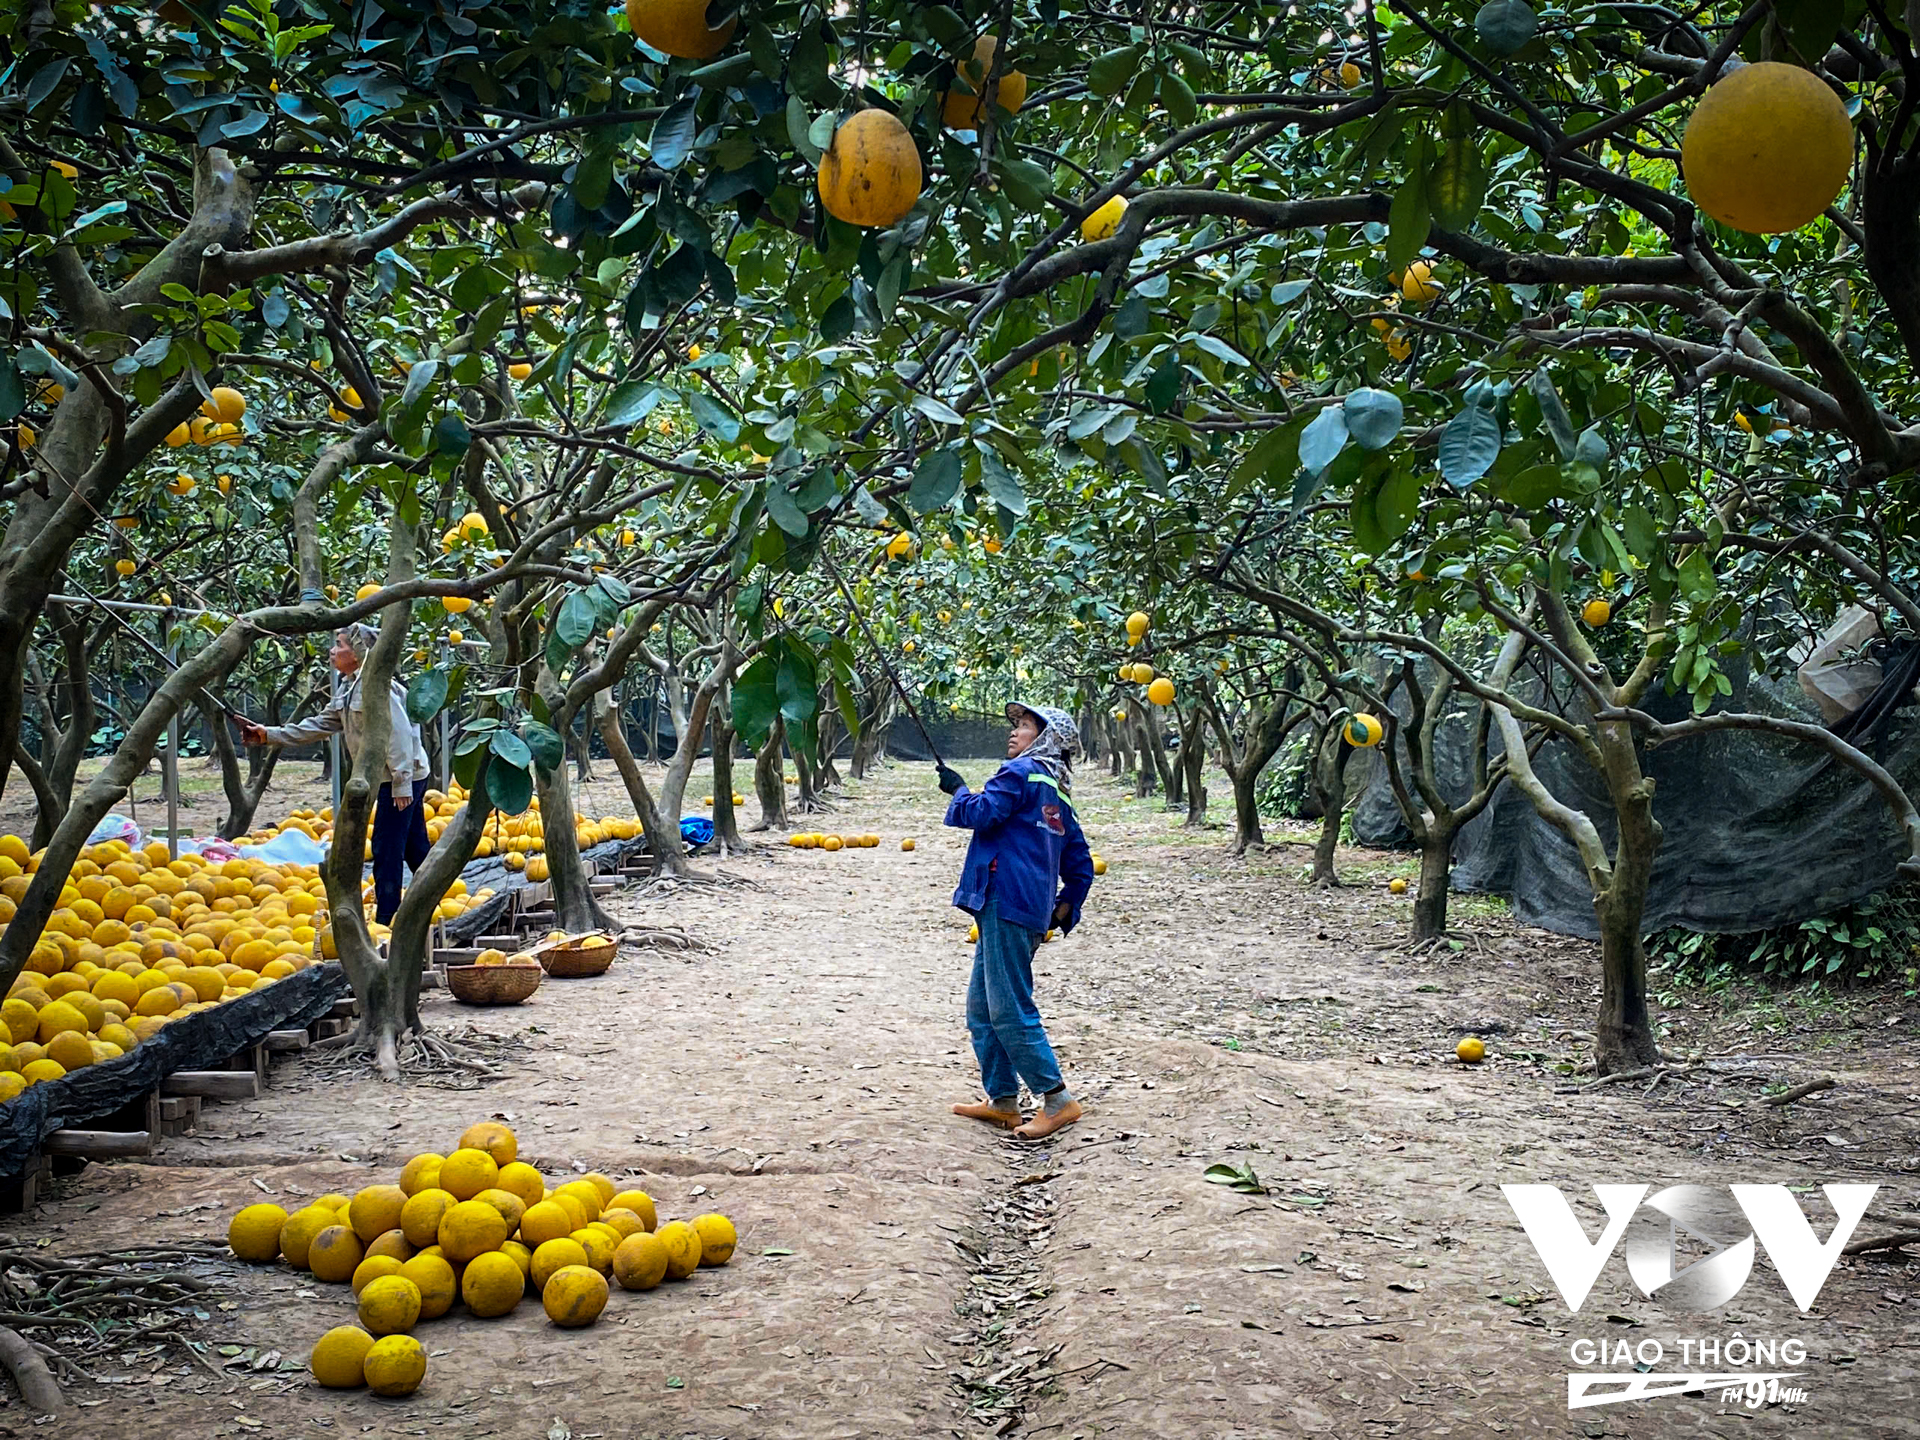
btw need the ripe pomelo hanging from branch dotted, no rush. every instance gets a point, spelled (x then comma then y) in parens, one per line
(963, 107)
(678, 27)
(871, 172)
(1767, 149)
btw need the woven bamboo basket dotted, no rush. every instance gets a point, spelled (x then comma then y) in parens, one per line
(570, 963)
(492, 984)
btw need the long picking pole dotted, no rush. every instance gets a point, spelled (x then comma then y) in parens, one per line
(881, 656)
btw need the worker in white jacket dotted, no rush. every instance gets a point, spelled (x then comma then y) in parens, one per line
(399, 816)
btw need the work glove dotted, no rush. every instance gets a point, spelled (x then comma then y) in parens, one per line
(950, 779)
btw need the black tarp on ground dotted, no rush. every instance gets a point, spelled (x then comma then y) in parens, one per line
(198, 1041)
(1758, 831)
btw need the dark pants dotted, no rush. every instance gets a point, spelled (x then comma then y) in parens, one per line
(399, 836)
(1008, 1038)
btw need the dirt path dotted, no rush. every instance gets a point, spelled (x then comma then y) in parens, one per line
(903, 1273)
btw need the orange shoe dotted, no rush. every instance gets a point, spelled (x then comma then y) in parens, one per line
(1042, 1124)
(1005, 1119)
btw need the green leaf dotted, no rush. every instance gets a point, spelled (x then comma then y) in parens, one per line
(630, 402)
(1397, 504)
(1553, 413)
(756, 701)
(451, 436)
(797, 683)
(713, 417)
(1505, 25)
(1111, 71)
(426, 693)
(1469, 445)
(1001, 484)
(1026, 183)
(935, 481)
(1163, 386)
(543, 743)
(593, 178)
(799, 124)
(1457, 184)
(1373, 417)
(836, 323)
(785, 510)
(510, 787)
(673, 135)
(1410, 216)
(510, 747)
(1179, 99)
(1538, 485)
(1324, 438)
(576, 621)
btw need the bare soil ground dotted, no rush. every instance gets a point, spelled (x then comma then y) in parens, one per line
(903, 1273)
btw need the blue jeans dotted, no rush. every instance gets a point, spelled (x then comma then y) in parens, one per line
(1008, 1038)
(399, 837)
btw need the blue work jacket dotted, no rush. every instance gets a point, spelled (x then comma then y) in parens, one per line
(1027, 846)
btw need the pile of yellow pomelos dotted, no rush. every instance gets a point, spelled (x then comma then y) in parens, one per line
(477, 1225)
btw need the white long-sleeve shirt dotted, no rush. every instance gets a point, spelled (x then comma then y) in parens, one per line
(406, 752)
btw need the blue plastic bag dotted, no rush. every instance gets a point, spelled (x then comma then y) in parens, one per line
(696, 830)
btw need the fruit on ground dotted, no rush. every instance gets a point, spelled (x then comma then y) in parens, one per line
(471, 1228)
(907, 844)
(640, 1261)
(391, 1305)
(494, 1138)
(684, 1248)
(492, 1285)
(1596, 613)
(599, 1243)
(623, 1223)
(339, 1357)
(296, 1236)
(870, 174)
(1105, 220)
(1099, 866)
(422, 1172)
(254, 1234)
(395, 1365)
(335, 1254)
(420, 1217)
(553, 1257)
(678, 28)
(507, 1203)
(832, 842)
(468, 1171)
(374, 1267)
(1396, 887)
(375, 1210)
(547, 1220)
(519, 1178)
(392, 1243)
(1767, 149)
(604, 1188)
(964, 105)
(1472, 1050)
(433, 1277)
(1160, 692)
(717, 1238)
(574, 1296)
(640, 1203)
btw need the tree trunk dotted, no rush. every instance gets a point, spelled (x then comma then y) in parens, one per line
(827, 775)
(664, 844)
(582, 746)
(1246, 809)
(1436, 876)
(574, 908)
(809, 797)
(769, 779)
(1623, 1032)
(726, 820)
(1193, 764)
(1330, 791)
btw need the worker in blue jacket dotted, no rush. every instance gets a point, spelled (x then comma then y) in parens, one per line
(1028, 870)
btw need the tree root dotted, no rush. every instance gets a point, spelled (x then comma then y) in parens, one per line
(38, 1388)
(465, 1061)
(1893, 1241)
(663, 937)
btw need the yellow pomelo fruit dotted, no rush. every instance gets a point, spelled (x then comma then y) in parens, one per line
(1417, 285)
(678, 28)
(547, 1220)
(335, 1254)
(471, 1228)
(1472, 1050)
(374, 1267)
(1596, 613)
(963, 107)
(520, 1178)
(420, 1217)
(375, 1210)
(1767, 149)
(1104, 220)
(640, 1202)
(603, 1187)
(717, 1238)
(494, 1138)
(1160, 692)
(339, 1357)
(492, 1285)
(684, 1248)
(640, 1261)
(520, 1255)
(391, 1242)
(422, 1172)
(574, 1296)
(254, 1234)
(466, 1172)
(623, 1223)
(554, 1255)
(390, 1305)
(507, 1203)
(599, 1245)
(871, 172)
(296, 1236)
(395, 1365)
(71, 1050)
(58, 1018)
(432, 1276)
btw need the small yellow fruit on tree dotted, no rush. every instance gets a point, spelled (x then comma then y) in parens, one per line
(678, 28)
(1350, 75)
(124, 567)
(391, 1305)
(1137, 624)
(1160, 692)
(339, 1357)
(1767, 149)
(717, 1238)
(1363, 731)
(574, 1296)
(225, 404)
(520, 370)
(254, 1234)
(964, 105)
(870, 174)
(1596, 613)
(395, 1365)
(1417, 285)
(1104, 220)
(1471, 1050)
